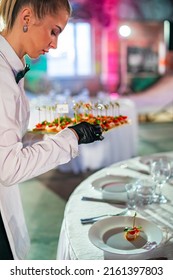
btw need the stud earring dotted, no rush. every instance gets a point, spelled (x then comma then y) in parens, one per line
(25, 28)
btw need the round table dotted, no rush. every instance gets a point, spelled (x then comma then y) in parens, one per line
(74, 242)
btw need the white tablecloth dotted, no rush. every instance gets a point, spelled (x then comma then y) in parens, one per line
(74, 242)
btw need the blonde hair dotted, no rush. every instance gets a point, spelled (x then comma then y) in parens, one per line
(9, 9)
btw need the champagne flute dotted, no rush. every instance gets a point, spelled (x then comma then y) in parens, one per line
(160, 172)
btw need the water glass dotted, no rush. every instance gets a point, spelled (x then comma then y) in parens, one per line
(160, 172)
(145, 192)
(131, 195)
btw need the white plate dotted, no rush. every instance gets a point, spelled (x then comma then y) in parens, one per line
(108, 235)
(112, 186)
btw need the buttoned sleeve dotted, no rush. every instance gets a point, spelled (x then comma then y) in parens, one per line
(18, 162)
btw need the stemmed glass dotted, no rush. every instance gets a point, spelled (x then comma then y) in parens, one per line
(160, 172)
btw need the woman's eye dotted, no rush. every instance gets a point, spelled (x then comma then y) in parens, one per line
(53, 32)
(56, 31)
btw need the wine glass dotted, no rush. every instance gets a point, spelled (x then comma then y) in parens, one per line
(160, 171)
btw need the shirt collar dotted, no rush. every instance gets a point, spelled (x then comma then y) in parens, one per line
(13, 60)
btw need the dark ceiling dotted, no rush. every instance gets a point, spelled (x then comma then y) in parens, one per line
(102, 10)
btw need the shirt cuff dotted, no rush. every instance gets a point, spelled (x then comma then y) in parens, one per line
(69, 137)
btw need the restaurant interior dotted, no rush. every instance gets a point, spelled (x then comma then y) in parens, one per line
(111, 51)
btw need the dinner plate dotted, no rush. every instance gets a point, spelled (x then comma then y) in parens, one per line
(108, 235)
(112, 186)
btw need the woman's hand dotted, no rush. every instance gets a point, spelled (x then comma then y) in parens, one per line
(87, 133)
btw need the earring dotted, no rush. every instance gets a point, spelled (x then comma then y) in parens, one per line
(25, 28)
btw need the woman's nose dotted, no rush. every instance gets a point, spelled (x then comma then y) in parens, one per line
(54, 43)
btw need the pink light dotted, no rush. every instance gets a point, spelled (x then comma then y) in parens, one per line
(114, 95)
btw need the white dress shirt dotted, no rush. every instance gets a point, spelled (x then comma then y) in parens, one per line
(18, 162)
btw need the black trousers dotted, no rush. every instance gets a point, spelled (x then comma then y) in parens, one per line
(5, 250)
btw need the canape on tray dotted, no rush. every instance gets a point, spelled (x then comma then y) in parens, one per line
(107, 122)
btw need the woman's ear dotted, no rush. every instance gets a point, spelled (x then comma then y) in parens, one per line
(26, 16)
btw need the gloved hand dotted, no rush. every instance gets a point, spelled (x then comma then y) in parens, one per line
(87, 132)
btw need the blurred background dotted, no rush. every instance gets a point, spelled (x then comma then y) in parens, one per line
(111, 46)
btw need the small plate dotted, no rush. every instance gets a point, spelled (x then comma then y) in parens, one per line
(108, 235)
(112, 186)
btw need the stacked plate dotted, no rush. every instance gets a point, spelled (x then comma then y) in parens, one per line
(112, 186)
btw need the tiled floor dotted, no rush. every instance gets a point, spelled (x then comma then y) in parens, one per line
(44, 198)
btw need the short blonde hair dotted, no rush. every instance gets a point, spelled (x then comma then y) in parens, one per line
(9, 9)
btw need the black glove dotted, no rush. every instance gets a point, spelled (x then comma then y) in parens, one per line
(87, 132)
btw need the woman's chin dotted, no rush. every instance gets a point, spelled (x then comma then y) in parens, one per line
(34, 56)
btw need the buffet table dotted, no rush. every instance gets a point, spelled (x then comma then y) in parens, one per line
(74, 242)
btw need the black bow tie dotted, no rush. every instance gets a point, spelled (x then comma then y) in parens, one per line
(22, 73)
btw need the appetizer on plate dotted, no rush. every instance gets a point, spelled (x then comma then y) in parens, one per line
(131, 233)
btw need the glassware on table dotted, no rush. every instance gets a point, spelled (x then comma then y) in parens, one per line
(160, 171)
(145, 191)
(131, 195)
